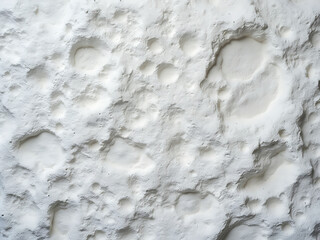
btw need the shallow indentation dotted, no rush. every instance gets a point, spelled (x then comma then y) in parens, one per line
(287, 229)
(39, 78)
(122, 154)
(245, 232)
(126, 205)
(99, 235)
(128, 158)
(315, 39)
(120, 16)
(87, 56)
(127, 234)
(42, 151)
(282, 133)
(300, 218)
(311, 71)
(95, 188)
(254, 205)
(208, 155)
(286, 32)
(224, 93)
(155, 46)
(273, 178)
(64, 220)
(168, 74)
(59, 128)
(31, 217)
(147, 68)
(58, 110)
(188, 203)
(92, 100)
(189, 45)
(15, 90)
(87, 59)
(241, 58)
(94, 145)
(254, 98)
(276, 207)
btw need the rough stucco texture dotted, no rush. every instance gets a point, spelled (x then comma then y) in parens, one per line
(159, 119)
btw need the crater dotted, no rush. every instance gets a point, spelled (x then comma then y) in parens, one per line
(189, 45)
(39, 77)
(168, 74)
(276, 207)
(188, 203)
(58, 110)
(42, 152)
(245, 232)
(315, 39)
(239, 59)
(254, 98)
(125, 157)
(273, 179)
(87, 56)
(147, 68)
(92, 100)
(154, 46)
(64, 220)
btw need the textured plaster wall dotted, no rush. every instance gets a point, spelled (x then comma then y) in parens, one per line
(159, 119)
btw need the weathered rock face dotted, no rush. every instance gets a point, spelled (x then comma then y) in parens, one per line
(160, 120)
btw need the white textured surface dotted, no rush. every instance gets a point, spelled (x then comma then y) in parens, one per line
(159, 119)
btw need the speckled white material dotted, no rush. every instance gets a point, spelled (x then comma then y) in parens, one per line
(159, 119)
